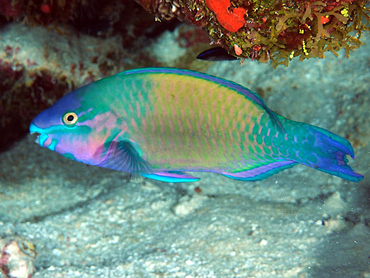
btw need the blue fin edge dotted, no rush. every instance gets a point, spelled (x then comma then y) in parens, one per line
(171, 177)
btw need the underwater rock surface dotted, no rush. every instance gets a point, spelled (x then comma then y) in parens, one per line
(91, 222)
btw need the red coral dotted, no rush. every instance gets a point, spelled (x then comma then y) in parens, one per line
(218, 6)
(231, 21)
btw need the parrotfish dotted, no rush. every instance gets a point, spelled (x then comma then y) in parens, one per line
(161, 123)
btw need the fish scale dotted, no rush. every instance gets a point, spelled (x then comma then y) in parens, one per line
(160, 123)
(193, 115)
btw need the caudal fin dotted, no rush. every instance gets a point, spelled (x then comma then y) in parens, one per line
(330, 151)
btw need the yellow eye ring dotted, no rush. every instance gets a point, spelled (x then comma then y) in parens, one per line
(70, 118)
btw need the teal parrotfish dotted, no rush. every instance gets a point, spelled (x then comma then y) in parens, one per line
(163, 122)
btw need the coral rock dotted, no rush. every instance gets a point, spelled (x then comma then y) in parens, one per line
(282, 29)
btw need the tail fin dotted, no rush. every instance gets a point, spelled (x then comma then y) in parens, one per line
(331, 151)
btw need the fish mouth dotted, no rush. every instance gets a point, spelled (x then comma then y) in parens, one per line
(41, 138)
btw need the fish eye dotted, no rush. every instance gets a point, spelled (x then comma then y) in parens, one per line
(70, 118)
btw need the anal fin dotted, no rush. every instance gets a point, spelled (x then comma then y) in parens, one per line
(261, 172)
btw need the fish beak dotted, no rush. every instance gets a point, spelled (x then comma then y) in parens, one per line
(33, 129)
(41, 138)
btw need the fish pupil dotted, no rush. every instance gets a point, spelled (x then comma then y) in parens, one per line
(70, 118)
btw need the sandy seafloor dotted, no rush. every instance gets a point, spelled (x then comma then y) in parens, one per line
(91, 222)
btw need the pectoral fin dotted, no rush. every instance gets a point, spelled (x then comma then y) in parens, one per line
(123, 156)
